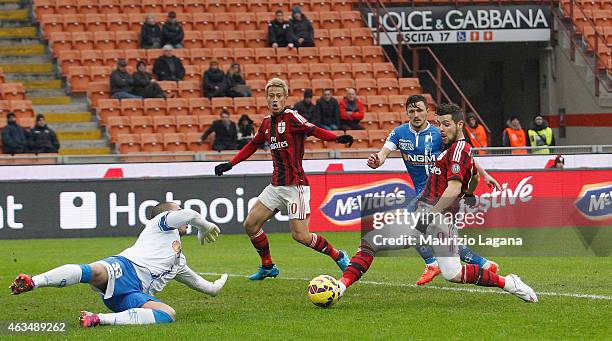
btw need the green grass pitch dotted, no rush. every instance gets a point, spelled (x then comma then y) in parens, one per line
(386, 305)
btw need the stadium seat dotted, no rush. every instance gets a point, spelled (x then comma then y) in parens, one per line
(397, 103)
(330, 20)
(78, 78)
(164, 124)
(340, 37)
(170, 88)
(199, 106)
(22, 108)
(87, 7)
(225, 21)
(96, 22)
(132, 107)
(329, 55)
(308, 55)
(370, 120)
(377, 138)
(5, 108)
(322, 38)
(366, 87)
(108, 108)
(202, 21)
(255, 38)
(187, 123)
(265, 56)
(91, 57)
(194, 40)
(128, 143)
(351, 19)
(133, 56)
(389, 120)
(117, 125)
(213, 39)
(298, 86)
(255, 72)
(141, 124)
(195, 143)
(51, 23)
(192, 73)
(384, 70)
(340, 70)
(99, 73)
(175, 142)
(66, 6)
(223, 55)
(131, 6)
(215, 6)
(104, 40)
(342, 84)
(377, 104)
(201, 56)
(282, 5)
(97, 91)
(82, 41)
(60, 41)
(189, 89)
(286, 56)
(245, 20)
(222, 103)
(409, 86)
(44, 7)
(360, 138)
(244, 55)
(109, 6)
(195, 7)
(73, 22)
(387, 86)
(351, 54)
(154, 106)
(110, 57)
(245, 105)
(361, 36)
(173, 5)
(362, 70)
(318, 85)
(372, 54)
(177, 106)
(321, 6)
(206, 121)
(257, 87)
(151, 6)
(298, 71)
(12, 91)
(126, 40)
(152, 142)
(68, 58)
(314, 18)
(234, 39)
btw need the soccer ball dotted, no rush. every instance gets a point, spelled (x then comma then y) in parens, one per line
(323, 291)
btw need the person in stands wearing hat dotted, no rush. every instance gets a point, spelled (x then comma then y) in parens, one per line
(172, 32)
(121, 82)
(42, 138)
(301, 32)
(307, 108)
(168, 67)
(215, 83)
(14, 136)
(514, 136)
(540, 135)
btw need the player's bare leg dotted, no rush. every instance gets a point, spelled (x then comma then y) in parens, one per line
(256, 218)
(151, 312)
(301, 233)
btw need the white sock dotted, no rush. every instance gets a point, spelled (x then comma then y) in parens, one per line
(130, 316)
(62, 276)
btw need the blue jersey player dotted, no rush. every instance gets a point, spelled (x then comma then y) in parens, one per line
(419, 144)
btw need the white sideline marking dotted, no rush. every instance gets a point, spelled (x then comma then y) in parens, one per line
(465, 289)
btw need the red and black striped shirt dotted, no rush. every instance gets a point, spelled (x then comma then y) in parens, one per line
(455, 163)
(286, 134)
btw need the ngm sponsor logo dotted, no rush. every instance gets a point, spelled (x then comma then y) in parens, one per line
(595, 201)
(342, 206)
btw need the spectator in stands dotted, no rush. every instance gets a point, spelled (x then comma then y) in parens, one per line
(307, 108)
(168, 67)
(42, 138)
(328, 111)
(559, 162)
(144, 84)
(514, 136)
(540, 135)
(351, 111)
(215, 83)
(279, 31)
(301, 32)
(150, 34)
(226, 134)
(236, 84)
(14, 137)
(172, 32)
(246, 132)
(476, 133)
(121, 82)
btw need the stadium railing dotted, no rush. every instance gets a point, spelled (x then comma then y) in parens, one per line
(212, 156)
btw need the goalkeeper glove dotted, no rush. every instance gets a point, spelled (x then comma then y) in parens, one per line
(469, 200)
(208, 234)
(345, 139)
(222, 168)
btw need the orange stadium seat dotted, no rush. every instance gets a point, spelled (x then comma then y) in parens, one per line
(173, 5)
(362, 36)
(154, 106)
(314, 18)
(257, 87)
(384, 70)
(257, 6)
(182, 54)
(298, 71)
(199, 106)
(351, 19)
(213, 39)
(44, 7)
(263, 19)
(322, 38)
(133, 56)
(225, 21)
(122, 22)
(91, 57)
(342, 84)
(319, 71)
(285, 56)
(126, 40)
(245, 105)
(152, 143)
(12, 91)
(370, 120)
(200, 56)
(330, 20)
(255, 72)
(96, 22)
(151, 6)
(360, 138)
(223, 55)
(97, 91)
(318, 85)
(50, 23)
(362, 70)
(222, 103)
(320, 5)
(117, 125)
(265, 56)
(194, 6)
(5, 107)
(308, 55)
(187, 123)
(104, 40)
(397, 103)
(377, 104)
(366, 87)
(377, 138)
(164, 124)
(109, 6)
(22, 108)
(110, 57)
(236, 6)
(131, 6)
(244, 55)
(206, 121)
(282, 5)
(340, 37)
(340, 70)
(329, 55)
(387, 86)
(189, 89)
(202, 21)
(389, 120)
(141, 124)
(132, 107)
(351, 54)
(193, 39)
(108, 108)
(409, 86)
(215, 6)
(255, 38)
(175, 142)
(68, 58)
(128, 143)
(82, 41)
(99, 73)
(298, 86)
(78, 77)
(177, 106)
(73, 22)
(60, 41)
(195, 143)
(66, 6)
(372, 54)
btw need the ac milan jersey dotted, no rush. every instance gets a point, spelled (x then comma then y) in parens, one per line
(455, 163)
(286, 133)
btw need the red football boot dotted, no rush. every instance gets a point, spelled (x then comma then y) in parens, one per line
(22, 283)
(430, 272)
(89, 320)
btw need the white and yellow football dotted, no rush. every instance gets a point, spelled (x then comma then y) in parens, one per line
(323, 291)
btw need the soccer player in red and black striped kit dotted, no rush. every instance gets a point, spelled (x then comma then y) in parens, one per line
(449, 180)
(285, 130)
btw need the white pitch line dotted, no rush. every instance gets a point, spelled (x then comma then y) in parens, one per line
(464, 289)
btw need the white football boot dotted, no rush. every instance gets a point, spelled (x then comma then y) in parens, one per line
(516, 287)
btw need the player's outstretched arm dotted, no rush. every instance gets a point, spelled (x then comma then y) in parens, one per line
(207, 231)
(488, 179)
(327, 135)
(244, 153)
(191, 279)
(378, 159)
